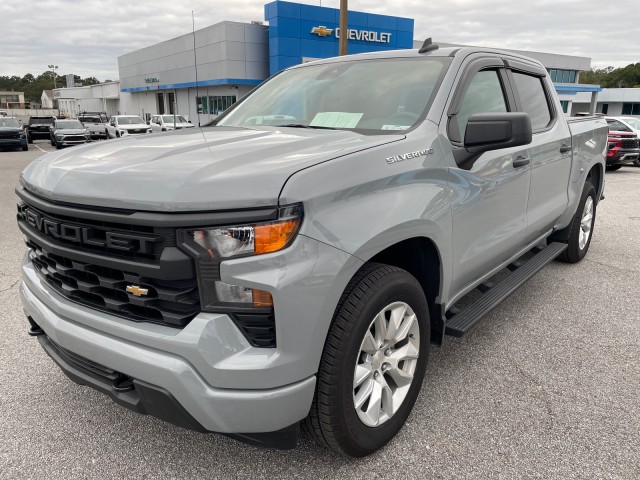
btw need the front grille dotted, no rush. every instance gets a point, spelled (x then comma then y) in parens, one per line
(630, 143)
(74, 138)
(172, 303)
(9, 135)
(137, 130)
(154, 240)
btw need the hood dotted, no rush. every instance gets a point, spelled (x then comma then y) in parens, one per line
(10, 129)
(215, 168)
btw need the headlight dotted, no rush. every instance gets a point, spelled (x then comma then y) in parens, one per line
(210, 246)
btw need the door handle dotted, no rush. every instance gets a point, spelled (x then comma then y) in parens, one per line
(521, 161)
(565, 149)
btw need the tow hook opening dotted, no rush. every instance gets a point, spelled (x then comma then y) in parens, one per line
(35, 329)
(123, 383)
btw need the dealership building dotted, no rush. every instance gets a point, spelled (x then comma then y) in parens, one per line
(201, 74)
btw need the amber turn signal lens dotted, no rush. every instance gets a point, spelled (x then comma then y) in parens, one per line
(262, 298)
(275, 236)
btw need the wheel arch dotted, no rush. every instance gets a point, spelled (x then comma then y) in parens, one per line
(596, 177)
(420, 257)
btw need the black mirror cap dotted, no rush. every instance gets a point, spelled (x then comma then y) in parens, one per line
(493, 131)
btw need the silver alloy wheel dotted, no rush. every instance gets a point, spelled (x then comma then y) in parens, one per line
(585, 223)
(386, 364)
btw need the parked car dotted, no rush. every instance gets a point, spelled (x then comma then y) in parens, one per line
(293, 262)
(38, 128)
(12, 134)
(121, 125)
(3, 113)
(623, 149)
(625, 124)
(65, 133)
(165, 123)
(96, 122)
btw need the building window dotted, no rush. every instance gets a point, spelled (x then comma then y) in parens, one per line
(220, 103)
(565, 105)
(605, 108)
(563, 76)
(631, 109)
(201, 105)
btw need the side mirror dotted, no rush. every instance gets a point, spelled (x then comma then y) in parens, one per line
(493, 131)
(190, 121)
(148, 122)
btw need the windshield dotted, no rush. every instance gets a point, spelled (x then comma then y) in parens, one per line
(169, 119)
(367, 96)
(9, 122)
(129, 120)
(69, 124)
(634, 122)
(90, 120)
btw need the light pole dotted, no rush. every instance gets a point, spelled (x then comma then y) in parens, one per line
(342, 44)
(53, 69)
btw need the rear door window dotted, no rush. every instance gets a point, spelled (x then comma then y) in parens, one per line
(533, 100)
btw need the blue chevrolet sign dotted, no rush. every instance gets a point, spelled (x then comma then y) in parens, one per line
(298, 32)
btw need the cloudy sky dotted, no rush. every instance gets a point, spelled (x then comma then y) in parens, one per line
(85, 37)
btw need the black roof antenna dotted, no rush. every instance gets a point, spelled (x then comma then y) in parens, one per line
(428, 46)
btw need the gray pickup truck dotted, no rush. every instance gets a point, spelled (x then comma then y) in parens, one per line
(291, 264)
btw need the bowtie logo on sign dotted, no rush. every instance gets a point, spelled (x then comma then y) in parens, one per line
(353, 34)
(322, 31)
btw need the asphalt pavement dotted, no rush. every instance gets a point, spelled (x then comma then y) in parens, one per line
(546, 386)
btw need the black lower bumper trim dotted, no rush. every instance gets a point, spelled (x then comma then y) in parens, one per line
(149, 399)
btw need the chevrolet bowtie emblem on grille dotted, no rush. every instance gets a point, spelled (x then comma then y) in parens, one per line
(136, 290)
(322, 31)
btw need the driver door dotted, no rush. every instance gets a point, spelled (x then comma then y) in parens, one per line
(489, 212)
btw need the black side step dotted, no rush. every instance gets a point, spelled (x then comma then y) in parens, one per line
(460, 323)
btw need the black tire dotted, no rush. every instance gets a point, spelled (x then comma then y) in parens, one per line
(573, 253)
(636, 162)
(117, 134)
(613, 168)
(25, 148)
(29, 139)
(58, 146)
(333, 421)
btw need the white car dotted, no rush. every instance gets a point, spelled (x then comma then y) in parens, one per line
(165, 123)
(121, 125)
(625, 124)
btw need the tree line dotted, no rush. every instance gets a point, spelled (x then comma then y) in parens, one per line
(33, 86)
(624, 77)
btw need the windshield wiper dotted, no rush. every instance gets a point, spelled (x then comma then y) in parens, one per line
(300, 125)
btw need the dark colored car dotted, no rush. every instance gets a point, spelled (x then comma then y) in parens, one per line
(623, 149)
(38, 128)
(65, 133)
(12, 134)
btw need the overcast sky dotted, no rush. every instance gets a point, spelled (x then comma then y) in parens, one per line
(85, 37)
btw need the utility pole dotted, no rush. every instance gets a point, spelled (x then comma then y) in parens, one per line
(53, 69)
(343, 27)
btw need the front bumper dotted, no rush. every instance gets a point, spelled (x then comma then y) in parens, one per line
(68, 143)
(13, 142)
(213, 409)
(623, 157)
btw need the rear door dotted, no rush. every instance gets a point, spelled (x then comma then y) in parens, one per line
(489, 213)
(549, 151)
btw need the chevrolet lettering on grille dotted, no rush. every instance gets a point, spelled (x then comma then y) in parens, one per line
(85, 235)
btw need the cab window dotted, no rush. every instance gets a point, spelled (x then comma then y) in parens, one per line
(533, 100)
(484, 95)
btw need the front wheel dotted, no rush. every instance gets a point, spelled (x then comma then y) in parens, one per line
(636, 162)
(581, 226)
(373, 362)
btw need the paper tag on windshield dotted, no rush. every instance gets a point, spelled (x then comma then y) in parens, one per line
(395, 127)
(336, 120)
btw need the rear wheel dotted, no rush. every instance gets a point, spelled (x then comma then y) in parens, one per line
(581, 226)
(373, 362)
